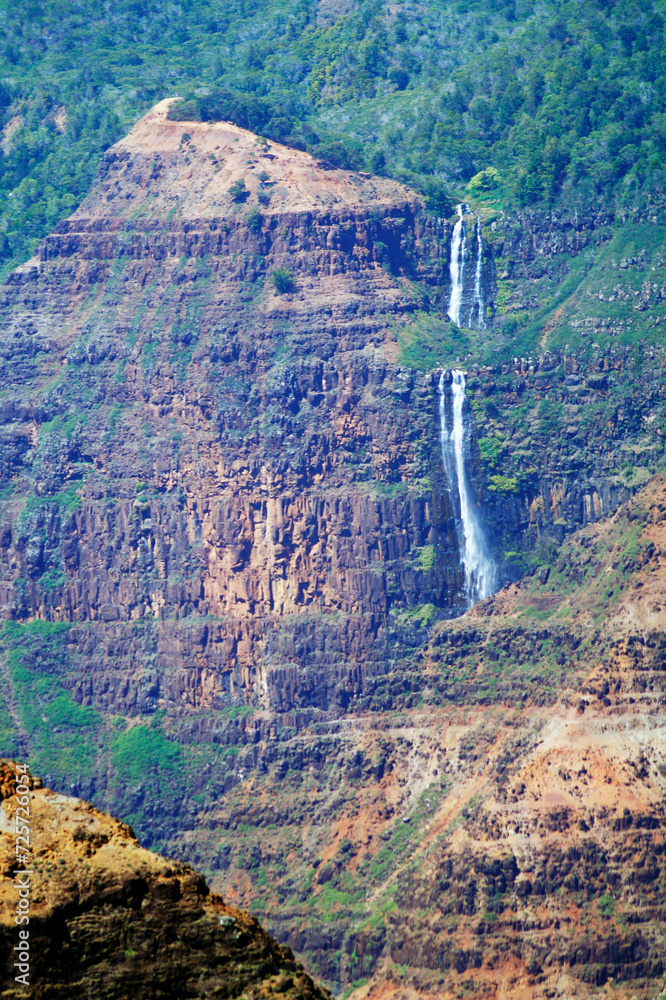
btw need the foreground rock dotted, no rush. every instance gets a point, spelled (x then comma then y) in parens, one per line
(109, 919)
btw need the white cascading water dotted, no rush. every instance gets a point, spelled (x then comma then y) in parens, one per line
(459, 255)
(457, 267)
(478, 286)
(480, 569)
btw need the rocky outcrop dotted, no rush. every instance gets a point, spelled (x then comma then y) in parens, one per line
(195, 444)
(565, 439)
(111, 920)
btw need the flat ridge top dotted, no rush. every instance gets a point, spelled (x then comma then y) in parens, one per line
(185, 169)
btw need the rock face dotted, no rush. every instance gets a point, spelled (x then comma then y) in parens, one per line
(109, 919)
(226, 538)
(566, 439)
(504, 832)
(199, 444)
(195, 445)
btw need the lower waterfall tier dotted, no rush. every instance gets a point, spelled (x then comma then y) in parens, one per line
(481, 575)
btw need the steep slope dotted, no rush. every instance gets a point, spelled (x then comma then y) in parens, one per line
(111, 920)
(201, 449)
(505, 833)
(229, 564)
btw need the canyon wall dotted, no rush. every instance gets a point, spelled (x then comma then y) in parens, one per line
(183, 442)
(226, 537)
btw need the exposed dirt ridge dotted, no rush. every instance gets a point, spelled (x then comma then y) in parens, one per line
(192, 165)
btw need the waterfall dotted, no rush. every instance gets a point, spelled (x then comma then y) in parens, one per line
(478, 287)
(457, 267)
(480, 569)
(459, 299)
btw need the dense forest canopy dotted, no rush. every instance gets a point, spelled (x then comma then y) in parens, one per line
(534, 102)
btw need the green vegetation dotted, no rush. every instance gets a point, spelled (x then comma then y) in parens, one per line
(238, 191)
(503, 484)
(425, 557)
(68, 500)
(518, 103)
(485, 181)
(61, 731)
(428, 341)
(237, 711)
(143, 753)
(491, 449)
(422, 614)
(62, 711)
(283, 280)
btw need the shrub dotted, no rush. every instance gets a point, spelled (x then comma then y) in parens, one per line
(238, 191)
(435, 195)
(253, 219)
(400, 78)
(425, 559)
(341, 155)
(503, 484)
(283, 280)
(490, 450)
(377, 161)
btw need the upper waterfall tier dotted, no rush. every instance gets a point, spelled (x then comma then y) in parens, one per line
(478, 311)
(466, 301)
(457, 267)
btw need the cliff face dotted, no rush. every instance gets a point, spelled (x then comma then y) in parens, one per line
(108, 919)
(225, 538)
(193, 444)
(565, 439)
(196, 443)
(504, 831)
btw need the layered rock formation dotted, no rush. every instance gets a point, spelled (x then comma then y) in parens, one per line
(226, 543)
(192, 443)
(565, 439)
(504, 833)
(199, 444)
(108, 919)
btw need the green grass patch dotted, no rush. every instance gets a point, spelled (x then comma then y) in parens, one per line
(422, 614)
(429, 342)
(425, 558)
(237, 711)
(67, 500)
(503, 484)
(144, 752)
(61, 732)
